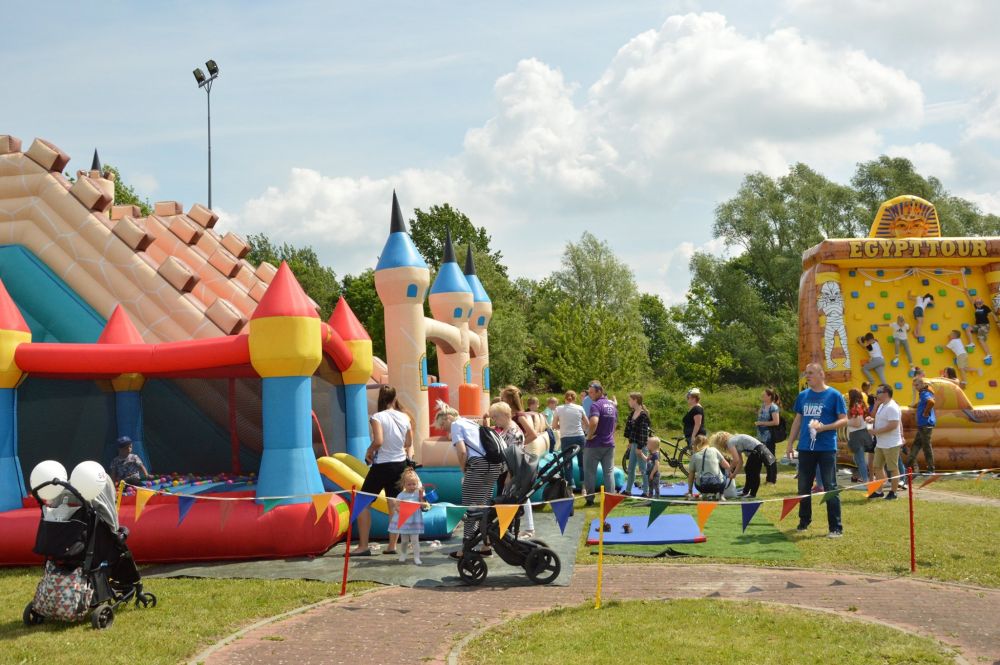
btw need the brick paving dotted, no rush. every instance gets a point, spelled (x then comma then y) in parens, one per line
(367, 628)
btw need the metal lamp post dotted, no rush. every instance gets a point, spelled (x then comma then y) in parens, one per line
(206, 83)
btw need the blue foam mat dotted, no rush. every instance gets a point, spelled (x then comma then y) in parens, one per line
(678, 528)
(675, 490)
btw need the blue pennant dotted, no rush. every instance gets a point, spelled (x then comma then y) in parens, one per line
(749, 510)
(562, 510)
(361, 501)
(184, 504)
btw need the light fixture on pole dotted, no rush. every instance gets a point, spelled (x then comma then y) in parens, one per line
(206, 83)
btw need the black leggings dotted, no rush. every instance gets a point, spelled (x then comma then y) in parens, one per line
(756, 460)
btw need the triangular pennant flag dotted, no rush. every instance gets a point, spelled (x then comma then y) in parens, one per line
(562, 510)
(873, 486)
(361, 501)
(831, 494)
(184, 504)
(406, 510)
(793, 585)
(141, 498)
(753, 589)
(452, 516)
(506, 514)
(930, 479)
(320, 503)
(224, 511)
(610, 501)
(656, 509)
(749, 510)
(704, 510)
(787, 505)
(269, 504)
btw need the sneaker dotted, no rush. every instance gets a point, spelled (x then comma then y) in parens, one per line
(803, 526)
(526, 535)
(901, 485)
(891, 496)
(835, 534)
(877, 495)
(416, 562)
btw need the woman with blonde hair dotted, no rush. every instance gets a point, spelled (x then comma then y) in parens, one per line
(478, 475)
(528, 421)
(706, 469)
(503, 421)
(758, 454)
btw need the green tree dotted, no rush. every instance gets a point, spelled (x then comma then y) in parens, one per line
(427, 229)
(592, 275)
(318, 281)
(667, 345)
(125, 193)
(509, 343)
(359, 292)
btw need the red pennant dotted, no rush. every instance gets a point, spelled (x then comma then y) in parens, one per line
(406, 510)
(929, 480)
(787, 505)
(610, 501)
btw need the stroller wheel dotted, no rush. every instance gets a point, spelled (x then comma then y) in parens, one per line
(542, 565)
(146, 600)
(31, 617)
(472, 568)
(102, 617)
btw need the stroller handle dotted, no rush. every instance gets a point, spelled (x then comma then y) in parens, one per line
(60, 483)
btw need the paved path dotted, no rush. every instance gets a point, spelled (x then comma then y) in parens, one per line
(944, 496)
(364, 628)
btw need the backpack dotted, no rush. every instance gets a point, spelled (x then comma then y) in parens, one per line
(491, 445)
(780, 431)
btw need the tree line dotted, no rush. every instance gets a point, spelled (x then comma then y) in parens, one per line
(737, 326)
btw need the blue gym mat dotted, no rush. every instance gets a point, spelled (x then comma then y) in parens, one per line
(678, 528)
(676, 490)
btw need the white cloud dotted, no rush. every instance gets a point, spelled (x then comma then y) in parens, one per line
(144, 183)
(929, 159)
(988, 202)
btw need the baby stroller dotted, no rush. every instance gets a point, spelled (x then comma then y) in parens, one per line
(88, 567)
(540, 563)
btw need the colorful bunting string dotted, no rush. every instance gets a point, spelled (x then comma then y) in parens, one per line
(270, 504)
(610, 501)
(406, 509)
(656, 509)
(829, 495)
(930, 479)
(320, 503)
(361, 501)
(749, 510)
(787, 505)
(224, 510)
(452, 516)
(704, 510)
(142, 496)
(561, 510)
(184, 504)
(872, 487)
(506, 513)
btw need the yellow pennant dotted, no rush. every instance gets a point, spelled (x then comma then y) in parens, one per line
(120, 493)
(704, 510)
(320, 503)
(506, 514)
(141, 497)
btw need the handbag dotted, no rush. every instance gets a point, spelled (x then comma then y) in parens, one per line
(63, 594)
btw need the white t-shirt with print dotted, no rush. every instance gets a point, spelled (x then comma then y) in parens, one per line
(887, 413)
(899, 331)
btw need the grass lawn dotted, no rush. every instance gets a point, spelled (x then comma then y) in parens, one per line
(190, 614)
(987, 486)
(697, 631)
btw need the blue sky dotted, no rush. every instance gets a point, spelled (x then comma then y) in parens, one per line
(540, 120)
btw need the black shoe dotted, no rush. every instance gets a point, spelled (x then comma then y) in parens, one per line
(891, 496)
(803, 526)
(878, 495)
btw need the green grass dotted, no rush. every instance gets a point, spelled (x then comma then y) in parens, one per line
(697, 631)
(987, 486)
(190, 614)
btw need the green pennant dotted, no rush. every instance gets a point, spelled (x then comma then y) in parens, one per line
(453, 515)
(656, 509)
(831, 494)
(269, 504)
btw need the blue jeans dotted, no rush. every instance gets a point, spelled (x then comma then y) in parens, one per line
(635, 461)
(565, 442)
(826, 463)
(861, 463)
(605, 456)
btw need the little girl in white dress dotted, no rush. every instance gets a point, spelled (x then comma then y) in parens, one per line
(409, 532)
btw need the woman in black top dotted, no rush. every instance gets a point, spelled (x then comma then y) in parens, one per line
(637, 431)
(694, 419)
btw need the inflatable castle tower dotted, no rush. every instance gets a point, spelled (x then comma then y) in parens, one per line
(460, 315)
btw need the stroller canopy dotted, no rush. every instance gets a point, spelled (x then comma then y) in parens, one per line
(523, 467)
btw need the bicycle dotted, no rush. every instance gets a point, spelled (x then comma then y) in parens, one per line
(675, 453)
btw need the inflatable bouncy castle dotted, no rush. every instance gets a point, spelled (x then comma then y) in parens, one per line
(852, 287)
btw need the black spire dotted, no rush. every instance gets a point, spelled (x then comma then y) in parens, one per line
(470, 267)
(96, 164)
(397, 225)
(449, 251)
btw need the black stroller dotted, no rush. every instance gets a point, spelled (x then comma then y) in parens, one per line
(541, 564)
(88, 567)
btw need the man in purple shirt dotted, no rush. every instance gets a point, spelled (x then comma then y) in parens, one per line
(600, 445)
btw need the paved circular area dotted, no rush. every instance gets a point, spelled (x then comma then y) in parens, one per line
(425, 624)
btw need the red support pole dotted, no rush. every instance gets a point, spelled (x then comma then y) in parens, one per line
(234, 439)
(322, 439)
(913, 546)
(347, 549)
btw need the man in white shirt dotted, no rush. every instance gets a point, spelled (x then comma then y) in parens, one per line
(888, 433)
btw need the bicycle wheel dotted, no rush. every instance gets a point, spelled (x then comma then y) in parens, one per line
(683, 457)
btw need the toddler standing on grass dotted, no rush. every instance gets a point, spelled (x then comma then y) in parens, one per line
(651, 459)
(409, 531)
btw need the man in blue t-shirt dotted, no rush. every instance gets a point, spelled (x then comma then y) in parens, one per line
(819, 412)
(926, 420)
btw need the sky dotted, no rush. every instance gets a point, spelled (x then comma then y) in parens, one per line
(540, 120)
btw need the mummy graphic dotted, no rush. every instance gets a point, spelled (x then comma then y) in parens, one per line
(831, 302)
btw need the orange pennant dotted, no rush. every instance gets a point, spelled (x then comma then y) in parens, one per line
(610, 501)
(320, 503)
(873, 486)
(704, 510)
(142, 496)
(787, 505)
(406, 510)
(506, 513)
(930, 479)
(224, 510)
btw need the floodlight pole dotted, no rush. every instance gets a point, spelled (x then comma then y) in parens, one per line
(207, 85)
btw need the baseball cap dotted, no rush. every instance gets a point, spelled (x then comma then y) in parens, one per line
(124, 441)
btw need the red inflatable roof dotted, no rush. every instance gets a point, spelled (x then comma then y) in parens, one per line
(346, 323)
(10, 315)
(284, 297)
(120, 329)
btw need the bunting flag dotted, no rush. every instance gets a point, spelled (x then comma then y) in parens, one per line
(831, 494)
(704, 510)
(452, 516)
(872, 487)
(184, 504)
(361, 501)
(749, 510)
(506, 513)
(119, 494)
(320, 503)
(610, 501)
(406, 510)
(141, 497)
(656, 509)
(787, 505)
(269, 504)
(224, 510)
(930, 479)
(562, 510)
